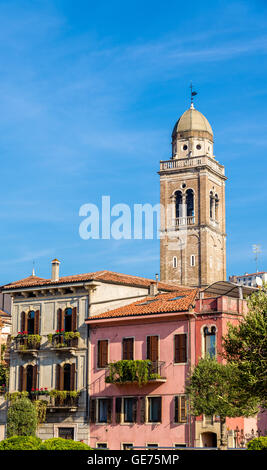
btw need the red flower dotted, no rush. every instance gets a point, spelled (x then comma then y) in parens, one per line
(62, 329)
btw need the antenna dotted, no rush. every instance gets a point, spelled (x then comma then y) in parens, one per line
(257, 250)
(33, 269)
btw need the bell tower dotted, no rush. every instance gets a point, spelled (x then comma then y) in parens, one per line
(192, 197)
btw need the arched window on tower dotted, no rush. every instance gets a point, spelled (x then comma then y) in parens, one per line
(178, 204)
(190, 203)
(216, 207)
(211, 204)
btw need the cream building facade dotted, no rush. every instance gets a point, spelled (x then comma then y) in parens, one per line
(192, 196)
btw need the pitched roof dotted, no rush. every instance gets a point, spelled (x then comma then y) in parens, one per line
(179, 300)
(104, 276)
(4, 314)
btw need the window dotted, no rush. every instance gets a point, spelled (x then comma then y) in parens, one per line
(27, 378)
(30, 322)
(210, 341)
(152, 446)
(101, 445)
(65, 377)
(104, 410)
(102, 354)
(66, 433)
(174, 262)
(216, 201)
(192, 260)
(129, 410)
(180, 409)
(152, 348)
(67, 319)
(127, 348)
(178, 204)
(180, 348)
(198, 146)
(179, 445)
(127, 446)
(189, 203)
(154, 409)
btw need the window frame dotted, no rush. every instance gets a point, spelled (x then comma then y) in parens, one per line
(149, 398)
(174, 349)
(98, 367)
(133, 348)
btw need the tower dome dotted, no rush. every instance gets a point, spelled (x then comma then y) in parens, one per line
(192, 135)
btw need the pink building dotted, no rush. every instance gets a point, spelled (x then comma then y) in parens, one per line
(172, 331)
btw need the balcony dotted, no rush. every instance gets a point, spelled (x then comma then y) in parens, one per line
(56, 400)
(183, 221)
(27, 343)
(139, 372)
(64, 341)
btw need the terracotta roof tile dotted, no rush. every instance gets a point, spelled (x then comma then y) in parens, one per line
(104, 276)
(177, 301)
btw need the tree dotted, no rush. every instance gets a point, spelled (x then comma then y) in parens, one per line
(21, 418)
(214, 389)
(245, 345)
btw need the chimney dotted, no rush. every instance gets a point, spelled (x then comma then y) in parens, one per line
(55, 270)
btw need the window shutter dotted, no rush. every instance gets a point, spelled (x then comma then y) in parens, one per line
(22, 379)
(118, 409)
(176, 410)
(109, 410)
(60, 319)
(37, 322)
(160, 408)
(72, 376)
(154, 348)
(23, 321)
(142, 403)
(34, 377)
(92, 413)
(74, 319)
(59, 377)
(102, 354)
(134, 410)
(183, 409)
(180, 354)
(148, 347)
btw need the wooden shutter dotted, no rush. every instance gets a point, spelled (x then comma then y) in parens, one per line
(102, 353)
(72, 376)
(59, 377)
(152, 348)
(142, 407)
(60, 319)
(23, 321)
(183, 409)
(160, 409)
(34, 377)
(118, 409)
(109, 410)
(74, 319)
(134, 410)
(22, 379)
(92, 412)
(176, 410)
(180, 354)
(127, 350)
(37, 322)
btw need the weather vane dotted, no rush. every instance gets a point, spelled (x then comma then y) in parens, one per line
(193, 93)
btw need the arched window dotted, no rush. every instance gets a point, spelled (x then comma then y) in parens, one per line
(68, 319)
(66, 379)
(178, 204)
(189, 203)
(27, 378)
(209, 341)
(216, 206)
(211, 205)
(30, 322)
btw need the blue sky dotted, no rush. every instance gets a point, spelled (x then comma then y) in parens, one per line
(89, 95)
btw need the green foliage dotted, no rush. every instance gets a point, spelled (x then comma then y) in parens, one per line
(259, 443)
(21, 418)
(13, 396)
(61, 396)
(4, 374)
(129, 371)
(214, 389)
(20, 443)
(246, 346)
(63, 444)
(40, 406)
